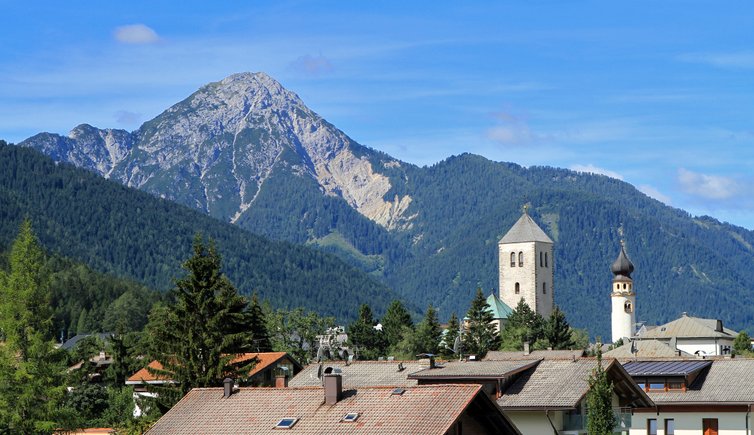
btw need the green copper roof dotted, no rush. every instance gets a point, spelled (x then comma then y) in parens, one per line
(498, 308)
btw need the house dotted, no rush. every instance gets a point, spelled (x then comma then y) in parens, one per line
(361, 373)
(494, 376)
(549, 397)
(431, 409)
(505, 355)
(693, 335)
(704, 397)
(74, 341)
(95, 367)
(262, 375)
(646, 349)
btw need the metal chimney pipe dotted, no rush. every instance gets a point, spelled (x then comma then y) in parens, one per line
(227, 387)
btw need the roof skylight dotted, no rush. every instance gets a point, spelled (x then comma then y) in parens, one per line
(286, 423)
(350, 417)
(398, 391)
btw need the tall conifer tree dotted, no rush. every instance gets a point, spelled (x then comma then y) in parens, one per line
(599, 399)
(557, 331)
(450, 337)
(428, 333)
(200, 334)
(480, 335)
(258, 323)
(395, 319)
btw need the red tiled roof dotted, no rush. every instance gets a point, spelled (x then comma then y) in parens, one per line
(265, 359)
(430, 409)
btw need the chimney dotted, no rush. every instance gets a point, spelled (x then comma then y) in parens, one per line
(673, 343)
(281, 381)
(527, 351)
(227, 387)
(333, 388)
(102, 356)
(431, 361)
(719, 326)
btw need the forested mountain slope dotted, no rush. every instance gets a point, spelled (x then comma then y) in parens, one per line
(248, 151)
(126, 232)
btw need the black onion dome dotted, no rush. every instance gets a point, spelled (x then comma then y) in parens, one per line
(622, 267)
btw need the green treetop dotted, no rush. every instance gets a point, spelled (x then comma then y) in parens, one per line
(370, 342)
(428, 333)
(480, 335)
(557, 331)
(450, 336)
(522, 325)
(599, 399)
(258, 323)
(742, 344)
(395, 319)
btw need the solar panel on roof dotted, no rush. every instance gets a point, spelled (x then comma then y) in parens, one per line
(664, 368)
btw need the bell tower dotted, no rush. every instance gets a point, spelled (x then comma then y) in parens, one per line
(623, 297)
(526, 266)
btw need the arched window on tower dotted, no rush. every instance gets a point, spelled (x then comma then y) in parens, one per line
(518, 288)
(541, 263)
(513, 259)
(544, 288)
(628, 307)
(546, 259)
(521, 259)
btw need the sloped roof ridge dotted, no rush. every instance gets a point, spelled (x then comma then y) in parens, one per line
(525, 230)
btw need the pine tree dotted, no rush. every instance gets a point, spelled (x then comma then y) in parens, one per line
(395, 319)
(557, 331)
(450, 336)
(258, 322)
(599, 399)
(480, 335)
(198, 336)
(370, 342)
(428, 333)
(522, 325)
(31, 370)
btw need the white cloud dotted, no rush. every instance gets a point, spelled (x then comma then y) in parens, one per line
(590, 168)
(652, 192)
(312, 65)
(707, 186)
(135, 34)
(743, 59)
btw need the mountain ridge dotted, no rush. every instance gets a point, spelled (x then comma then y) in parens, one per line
(429, 232)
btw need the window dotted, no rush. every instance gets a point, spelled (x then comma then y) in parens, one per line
(544, 288)
(541, 263)
(675, 385)
(624, 286)
(651, 426)
(513, 259)
(350, 417)
(628, 307)
(642, 384)
(709, 426)
(518, 288)
(656, 385)
(545, 259)
(398, 391)
(669, 426)
(520, 259)
(286, 423)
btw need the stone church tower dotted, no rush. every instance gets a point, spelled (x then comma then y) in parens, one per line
(526, 266)
(623, 297)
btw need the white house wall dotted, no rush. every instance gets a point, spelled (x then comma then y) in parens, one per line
(690, 423)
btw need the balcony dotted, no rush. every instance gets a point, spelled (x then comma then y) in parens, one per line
(573, 422)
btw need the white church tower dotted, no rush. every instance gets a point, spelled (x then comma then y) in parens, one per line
(526, 266)
(623, 297)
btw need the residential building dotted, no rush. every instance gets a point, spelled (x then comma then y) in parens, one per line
(704, 397)
(526, 266)
(358, 374)
(434, 409)
(693, 335)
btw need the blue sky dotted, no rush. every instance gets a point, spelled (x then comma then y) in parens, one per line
(658, 94)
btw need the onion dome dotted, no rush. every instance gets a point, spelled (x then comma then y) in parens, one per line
(622, 267)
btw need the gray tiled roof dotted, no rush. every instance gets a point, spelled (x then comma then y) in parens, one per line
(665, 368)
(419, 410)
(553, 384)
(474, 369)
(645, 349)
(500, 355)
(726, 381)
(525, 230)
(362, 374)
(689, 327)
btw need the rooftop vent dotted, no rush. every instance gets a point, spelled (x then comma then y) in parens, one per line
(400, 367)
(286, 423)
(227, 387)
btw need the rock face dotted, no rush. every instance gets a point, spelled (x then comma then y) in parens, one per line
(216, 149)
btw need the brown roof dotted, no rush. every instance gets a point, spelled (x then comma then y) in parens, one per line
(562, 384)
(265, 359)
(362, 374)
(499, 355)
(419, 410)
(645, 349)
(474, 369)
(727, 381)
